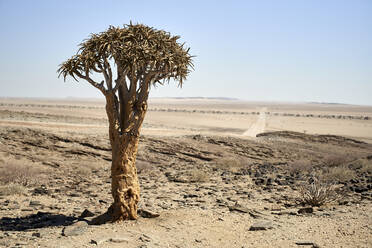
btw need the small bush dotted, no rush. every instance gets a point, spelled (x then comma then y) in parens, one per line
(20, 172)
(338, 174)
(365, 165)
(82, 170)
(300, 166)
(143, 167)
(230, 164)
(336, 160)
(317, 193)
(198, 176)
(12, 189)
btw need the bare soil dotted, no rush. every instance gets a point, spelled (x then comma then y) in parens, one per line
(209, 186)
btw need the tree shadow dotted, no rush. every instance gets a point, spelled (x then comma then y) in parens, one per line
(34, 221)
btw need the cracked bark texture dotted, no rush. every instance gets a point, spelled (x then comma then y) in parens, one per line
(125, 187)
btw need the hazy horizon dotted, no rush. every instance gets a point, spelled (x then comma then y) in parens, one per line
(267, 51)
(67, 98)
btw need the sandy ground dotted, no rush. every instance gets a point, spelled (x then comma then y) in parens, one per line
(205, 116)
(258, 126)
(201, 167)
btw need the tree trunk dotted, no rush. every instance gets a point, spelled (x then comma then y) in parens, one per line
(124, 186)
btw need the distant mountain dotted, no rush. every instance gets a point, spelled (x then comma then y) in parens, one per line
(329, 103)
(200, 98)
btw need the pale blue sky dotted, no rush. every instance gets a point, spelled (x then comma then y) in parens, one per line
(277, 50)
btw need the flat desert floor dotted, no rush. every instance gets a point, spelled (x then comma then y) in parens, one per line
(219, 173)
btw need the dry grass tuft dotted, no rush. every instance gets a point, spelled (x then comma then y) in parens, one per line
(230, 164)
(20, 172)
(143, 167)
(198, 176)
(317, 193)
(12, 189)
(338, 174)
(300, 167)
(335, 160)
(364, 165)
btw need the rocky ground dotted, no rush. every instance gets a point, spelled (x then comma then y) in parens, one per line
(207, 191)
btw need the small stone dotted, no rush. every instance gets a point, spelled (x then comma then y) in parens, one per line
(261, 225)
(307, 210)
(118, 240)
(75, 229)
(145, 238)
(253, 213)
(313, 245)
(40, 191)
(36, 234)
(239, 208)
(99, 241)
(147, 214)
(27, 209)
(34, 203)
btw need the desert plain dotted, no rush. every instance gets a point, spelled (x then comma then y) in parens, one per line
(213, 173)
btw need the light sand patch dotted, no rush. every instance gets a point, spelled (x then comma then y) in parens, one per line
(258, 126)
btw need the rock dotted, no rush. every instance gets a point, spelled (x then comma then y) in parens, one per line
(261, 225)
(74, 195)
(147, 214)
(75, 229)
(145, 238)
(259, 181)
(360, 189)
(313, 245)
(307, 210)
(40, 191)
(101, 240)
(119, 240)
(86, 213)
(36, 234)
(323, 214)
(27, 209)
(238, 208)
(34, 203)
(286, 212)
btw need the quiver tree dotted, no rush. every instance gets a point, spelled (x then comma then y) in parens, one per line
(130, 60)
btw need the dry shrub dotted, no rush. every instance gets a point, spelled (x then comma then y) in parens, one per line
(335, 160)
(338, 174)
(82, 169)
(23, 173)
(230, 164)
(317, 193)
(12, 189)
(364, 165)
(198, 176)
(143, 166)
(300, 167)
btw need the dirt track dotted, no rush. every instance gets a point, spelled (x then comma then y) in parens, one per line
(258, 126)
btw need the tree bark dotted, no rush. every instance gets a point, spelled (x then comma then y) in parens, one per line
(125, 185)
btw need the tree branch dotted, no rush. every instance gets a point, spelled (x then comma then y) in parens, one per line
(99, 86)
(108, 73)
